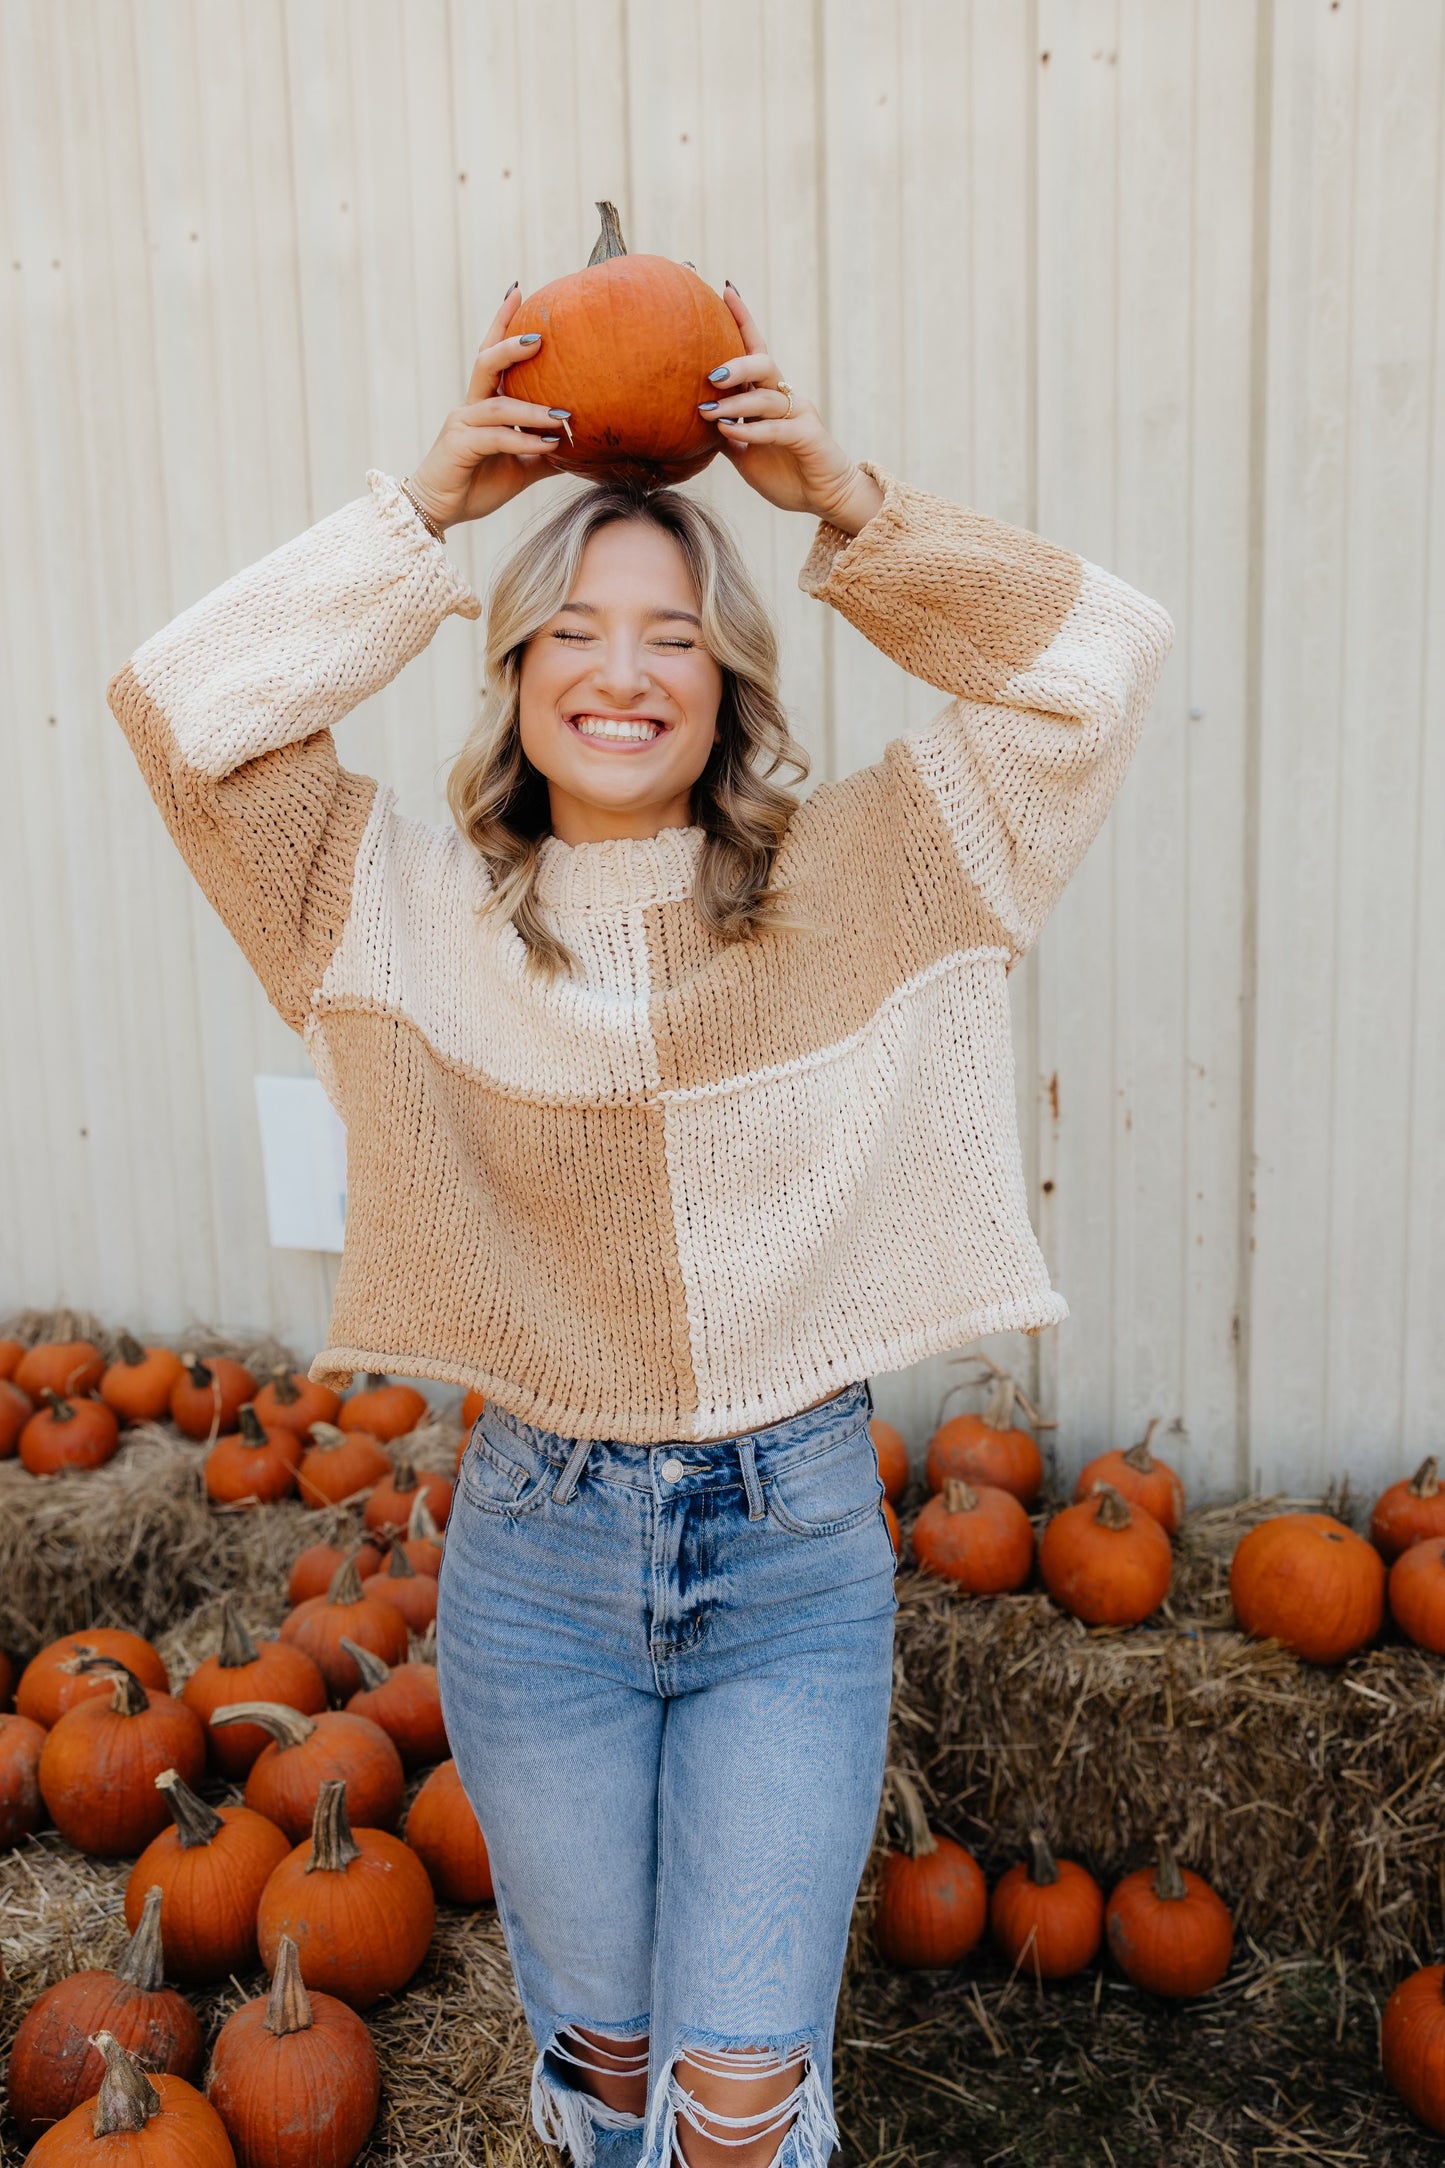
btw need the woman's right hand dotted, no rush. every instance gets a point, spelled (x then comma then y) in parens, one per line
(488, 448)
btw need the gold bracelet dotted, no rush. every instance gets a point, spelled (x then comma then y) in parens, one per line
(421, 512)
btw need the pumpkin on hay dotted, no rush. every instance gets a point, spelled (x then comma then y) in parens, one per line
(1106, 1562)
(208, 1397)
(358, 1906)
(294, 2077)
(1168, 1929)
(315, 1568)
(989, 1448)
(71, 1368)
(443, 1830)
(244, 1670)
(10, 1354)
(384, 1410)
(252, 1465)
(1140, 1479)
(347, 1611)
(1410, 1511)
(340, 1464)
(627, 345)
(981, 1539)
(53, 2064)
(423, 1539)
(16, 1409)
(1412, 2045)
(138, 1384)
(405, 1700)
(1047, 1915)
(99, 1765)
(1417, 1594)
(210, 1868)
(390, 1504)
(21, 1807)
(892, 1452)
(1308, 1581)
(68, 1434)
(65, 1672)
(289, 1400)
(413, 1594)
(136, 2120)
(931, 1904)
(307, 1752)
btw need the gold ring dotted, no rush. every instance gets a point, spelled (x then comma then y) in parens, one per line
(781, 386)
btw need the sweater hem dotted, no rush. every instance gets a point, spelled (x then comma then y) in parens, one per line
(335, 1366)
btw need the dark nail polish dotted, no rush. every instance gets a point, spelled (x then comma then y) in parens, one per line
(512, 288)
(529, 338)
(560, 413)
(707, 406)
(728, 282)
(718, 376)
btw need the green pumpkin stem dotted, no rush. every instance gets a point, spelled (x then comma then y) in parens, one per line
(142, 1962)
(127, 2100)
(1043, 1867)
(374, 1669)
(1168, 1881)
(196, 1823)
(333, 1847)
(288, 2006)
(609, 242)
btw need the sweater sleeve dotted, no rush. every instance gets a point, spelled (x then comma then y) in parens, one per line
(1050, 662)
(229, 711)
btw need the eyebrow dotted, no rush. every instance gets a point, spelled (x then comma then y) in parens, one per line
(589, 609)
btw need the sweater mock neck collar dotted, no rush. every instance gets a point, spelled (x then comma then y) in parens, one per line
(620, 874)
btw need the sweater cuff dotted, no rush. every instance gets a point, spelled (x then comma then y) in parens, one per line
(835, 554)
(443, 587)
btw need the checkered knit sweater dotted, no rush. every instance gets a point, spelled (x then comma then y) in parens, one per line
(698, 1185)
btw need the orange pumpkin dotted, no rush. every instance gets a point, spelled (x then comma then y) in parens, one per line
(99, 1765)
(307, 1752)
(980, 1538)
(243, 1671)
(1168, 1930)
(1310, 1582)
(990, 1448)
(68, 1434)
(1139, 1478)
(384, 1410)
(64, 1672)
(139, 1383)
(136, 2121)
(1412, 2045)
(16, 1409)
(349, 1611)
(314, 1569)
(390, 1504)
(893, 1464)
(413, 1594)
(294, 2077)
(406, 1702)
(1105, 1562)
(890, 1522)
(473, 1403)
(627, 344)
(340, 1464)
(931, 1904)
(70, 1368)
(1408, 1512)
(443, 1830)
(251, 1465)
(53, 2063)
(291, 1401)
(1417, 1594)
(21, 1809)
(423, 1539)
(207, 1399)
(1047, 1914)
(210, 1868)
(359, 1907)
(10, 1354)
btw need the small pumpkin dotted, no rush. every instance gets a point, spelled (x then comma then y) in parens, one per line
(413, 1594)
(252, 1465)
(423, 1540)
(10, 1354)
(21, 1807)
(68, 1368)
(358, 1906)
(1106, 1562)
(1417, 1594)
(308, 1751)
(210, 1868)
(1139, 1478)
(384, 1410)
(1168, 1929)
(931, 1904)
(390, 1504)
(16, 1409)
(314, 1569)
(406, 1701)
(990, 1448)
(1047, 1915)
(63, 1672)
(206, 1401)
(243, 1670)
(982, 1538)
(99, 1765)
(1310, 1582)
(53, 2063)
(136, 2121)
(289, 1400)
(347, 1611)
(139, 1383)
(890, 1522)
(341, 1464)
(893, 1464)
(1409, 1512)
(443, 1830)
(68, 1434)
(1412, 2045)
(294, 2077)
(473, 1403)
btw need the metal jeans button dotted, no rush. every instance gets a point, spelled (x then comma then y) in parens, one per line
(671, 1469)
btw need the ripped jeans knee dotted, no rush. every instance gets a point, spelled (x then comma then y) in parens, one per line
(698, 2117)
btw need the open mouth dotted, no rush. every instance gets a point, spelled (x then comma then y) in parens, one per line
(617, 733)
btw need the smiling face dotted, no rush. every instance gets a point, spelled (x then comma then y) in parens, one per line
(619, 697)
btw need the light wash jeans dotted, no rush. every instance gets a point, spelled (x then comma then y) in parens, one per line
(665, 1672)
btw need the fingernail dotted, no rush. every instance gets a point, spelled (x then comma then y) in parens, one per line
(551, 440)
(512, 288)
(707, 406)
(529, 338)
(560, 413)
(718, 376)
(728, 282)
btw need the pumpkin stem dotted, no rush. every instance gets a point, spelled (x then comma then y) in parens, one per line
(420, 1522)
(401, 1567)
(131, 1351)
(1423, 1483)
(130, 1697)
(1113, 1508)
(609, 242)
(127, 2100)
(375, 1379)
(142, 1962)
(284, 1386)
(333, 1847)
(326, 1435)
(1138, 1456)
(237, 1648)
(288, 2006)
(288, 1727)
(426, 1648)
(403, 1476)
(958, 1497)
(1043, 1868)
(919, 1839)
(1168, 1881)
(196, 1823)
(61, 1411)
(200, 1375)
(251, 1428)
(374, 1669)
(999, 1413)
(346, 1582)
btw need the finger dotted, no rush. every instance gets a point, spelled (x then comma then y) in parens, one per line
(747, 323)
(742, 433)
(489, 443)
(501, 409)
(756, 368)
(767, 402)
(493, 359)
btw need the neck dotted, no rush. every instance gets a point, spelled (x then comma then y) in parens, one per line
(574, 820)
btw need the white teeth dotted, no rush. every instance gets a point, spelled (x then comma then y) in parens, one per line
(608, 726)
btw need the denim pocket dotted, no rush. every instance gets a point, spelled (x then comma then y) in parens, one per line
(509, 1477)
(827, 1492)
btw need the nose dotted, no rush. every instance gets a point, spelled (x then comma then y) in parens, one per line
(621, 673)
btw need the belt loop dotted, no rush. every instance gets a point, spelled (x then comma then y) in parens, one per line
(757, 1506)
(571, 1475)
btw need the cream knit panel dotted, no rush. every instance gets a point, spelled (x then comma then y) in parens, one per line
(1052, 660)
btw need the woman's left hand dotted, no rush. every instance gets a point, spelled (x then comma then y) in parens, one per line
(789, 458)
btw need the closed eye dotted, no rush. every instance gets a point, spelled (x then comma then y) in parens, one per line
(563, 634)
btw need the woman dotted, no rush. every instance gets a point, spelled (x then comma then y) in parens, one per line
(674, 1109)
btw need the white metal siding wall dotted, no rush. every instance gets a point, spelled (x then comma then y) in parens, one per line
(1160, 278)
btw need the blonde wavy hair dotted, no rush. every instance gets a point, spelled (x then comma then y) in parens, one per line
(499, 800)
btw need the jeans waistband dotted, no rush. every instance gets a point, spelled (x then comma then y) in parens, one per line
(854, 1401)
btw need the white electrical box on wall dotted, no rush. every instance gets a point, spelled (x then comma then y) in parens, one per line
(303, 1153)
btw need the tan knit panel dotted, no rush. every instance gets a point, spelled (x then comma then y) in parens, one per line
(525, 1248)
(870, 863)
(273, 844)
